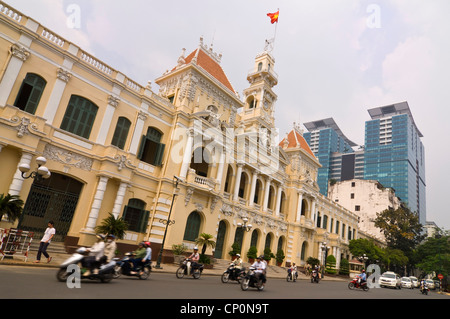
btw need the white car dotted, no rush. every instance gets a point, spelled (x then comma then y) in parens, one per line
(390, 279)
(407, 283)
(415, 281)
(430, 284)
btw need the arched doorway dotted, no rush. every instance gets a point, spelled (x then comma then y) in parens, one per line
(221, 233)
(54, 199)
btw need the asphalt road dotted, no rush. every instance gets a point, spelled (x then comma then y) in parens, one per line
(41, 283)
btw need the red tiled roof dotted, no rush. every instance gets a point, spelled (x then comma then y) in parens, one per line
(210, 66)
(295, 137)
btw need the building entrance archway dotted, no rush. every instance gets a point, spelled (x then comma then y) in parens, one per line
(53, 199)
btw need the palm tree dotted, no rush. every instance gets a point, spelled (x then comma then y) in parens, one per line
(113, 226)
(11, 206)
(205, 240)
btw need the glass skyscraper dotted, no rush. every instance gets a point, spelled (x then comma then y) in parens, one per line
(326, 139)
(395, 156)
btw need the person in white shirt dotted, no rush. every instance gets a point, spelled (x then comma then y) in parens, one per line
(96, 252)
(45, 241)
(260, 268)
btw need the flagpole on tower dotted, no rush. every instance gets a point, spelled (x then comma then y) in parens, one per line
(273, 19)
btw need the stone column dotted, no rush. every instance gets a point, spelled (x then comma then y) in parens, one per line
(107, 119)
(220, 168)
(17, 182)
(19, 55)
(187, 153)
(138, 129)
(237, 181)
(63, 77)
(299, 206)
(253, 189)
(119, 199)
(266, 194)
(278, 204)
(96, 205)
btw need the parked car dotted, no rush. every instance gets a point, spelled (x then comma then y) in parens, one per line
(390, 279)
(437, 284)
(415, 281)
(430, 284)
(407, 283)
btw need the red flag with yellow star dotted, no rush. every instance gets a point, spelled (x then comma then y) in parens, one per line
(274, 16)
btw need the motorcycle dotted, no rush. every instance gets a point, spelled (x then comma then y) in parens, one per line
(424, 289)
(251, 280)
(187, 268)
(233, 273)
(126, 267)
(292, 275)
(105, 272)
(315, 276)
(357, 284)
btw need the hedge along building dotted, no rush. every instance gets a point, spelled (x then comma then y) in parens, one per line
(125, 154)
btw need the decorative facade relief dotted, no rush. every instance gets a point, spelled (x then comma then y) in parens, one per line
(20, 52)
(24, 126)
(67, 157)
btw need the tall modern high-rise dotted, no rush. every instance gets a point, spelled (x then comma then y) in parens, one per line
(395, 156)
(326, 139)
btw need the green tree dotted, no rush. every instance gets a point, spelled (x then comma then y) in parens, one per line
(400, 227)
(330, 266)
(206, 241)
(11, 206)
(313, 261)
(344, 267)
(252, 252)
(113, 226)
(433, 255)
(268, 255)
(280, 256)
(360, 247)
(394, 259)
(402, 231)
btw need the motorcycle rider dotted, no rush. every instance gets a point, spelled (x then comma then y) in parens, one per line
(362, 277)
(237, 265)
(140, 254)
(110, 247)
(194, 257)
(260, 268)
(293, 270)
(95, 254)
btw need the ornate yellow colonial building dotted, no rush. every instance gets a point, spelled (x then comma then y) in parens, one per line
(191, 158)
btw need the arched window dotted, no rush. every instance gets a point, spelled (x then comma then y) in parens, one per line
(271, 202)
(199, 161)
(268, 242)
(227, 187)
(260, 66)
(254, 239)
(151, 150)
(135, 215)
(80, 116)
(303, 252)
(192, 227)
(258, 189)
(325, 222)
(121, 132)
(242, 186)
(30, 93)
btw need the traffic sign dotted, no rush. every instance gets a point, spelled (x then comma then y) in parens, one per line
(440, 276)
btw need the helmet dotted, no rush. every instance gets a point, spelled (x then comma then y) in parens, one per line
(100, 236)
(239, 255)
(195, 248)
(147, 243)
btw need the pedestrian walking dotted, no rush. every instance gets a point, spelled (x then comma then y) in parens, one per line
(45, 241)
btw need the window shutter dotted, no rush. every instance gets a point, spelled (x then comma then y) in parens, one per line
(159, 154)
(124, 212)
(142, 146)
(144, 221)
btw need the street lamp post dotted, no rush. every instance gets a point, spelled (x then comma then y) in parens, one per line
(246, 227)
(41, 173)
(167, 222)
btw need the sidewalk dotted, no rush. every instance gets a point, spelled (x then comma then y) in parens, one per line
(217, 270)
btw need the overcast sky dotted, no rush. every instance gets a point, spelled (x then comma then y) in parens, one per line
(334, 58)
